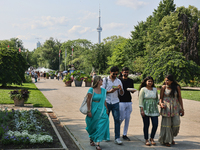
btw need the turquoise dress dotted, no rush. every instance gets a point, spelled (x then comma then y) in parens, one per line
(98, 124)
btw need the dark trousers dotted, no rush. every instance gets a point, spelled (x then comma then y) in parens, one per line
(115, 112)
(146, 122)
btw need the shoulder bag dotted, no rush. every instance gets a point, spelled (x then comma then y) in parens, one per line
(83, 109)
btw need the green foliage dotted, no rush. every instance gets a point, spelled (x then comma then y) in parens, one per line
(100, 52)
(28, 78)
(164, 8)
(13, 66)
(20, 94)
(118, 57)
(5, 116)
(78, 75)
(138, 65)
(36, 97)
(136, 79)
(52, 73)
(47, 55)
(82, 55)
(68, 78)
(171, 62)
(87, 78)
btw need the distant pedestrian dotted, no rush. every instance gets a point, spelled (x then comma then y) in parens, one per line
(148, 101)
(38, 74)
(62, 75)
(44, 75)
(97, 118)
(58, 76)
(35, 76)
(125, 105)
(94, 74)
(171, 109)
(114, 87)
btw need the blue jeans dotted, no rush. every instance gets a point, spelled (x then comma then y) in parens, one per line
(146, 122)
(115, 112)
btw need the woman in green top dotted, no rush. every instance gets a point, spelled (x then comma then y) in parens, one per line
(148, 101)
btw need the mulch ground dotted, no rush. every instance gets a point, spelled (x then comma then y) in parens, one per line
(63, 133)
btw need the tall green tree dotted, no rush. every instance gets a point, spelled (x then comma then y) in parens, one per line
(12, 66)
(82, 53)
(167, 62)
(119, 57)
(100, 54)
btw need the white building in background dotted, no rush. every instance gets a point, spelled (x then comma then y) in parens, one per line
(38, 44)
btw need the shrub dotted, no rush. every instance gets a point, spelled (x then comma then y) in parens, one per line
(28, 79)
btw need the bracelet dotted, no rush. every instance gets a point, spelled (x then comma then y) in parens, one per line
(88, 111)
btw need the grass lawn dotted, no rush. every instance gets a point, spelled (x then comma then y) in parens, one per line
(36, 97)
(186, 94)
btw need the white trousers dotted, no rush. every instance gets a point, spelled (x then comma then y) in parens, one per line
(125, 109)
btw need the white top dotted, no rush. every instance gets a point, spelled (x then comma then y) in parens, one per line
(147, 94)
(112, 98)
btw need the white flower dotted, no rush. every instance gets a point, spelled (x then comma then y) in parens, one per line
(25, 133)
(10, 133)
(17, 133)
(32, 141)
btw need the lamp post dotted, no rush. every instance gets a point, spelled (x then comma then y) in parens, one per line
(72, 53)
(65, 56)
(59, 60)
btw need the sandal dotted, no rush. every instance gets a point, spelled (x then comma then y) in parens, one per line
(92, 142)
(173, 142)
(167, 144)
(152, 141)
(98, 147)
(147, 143)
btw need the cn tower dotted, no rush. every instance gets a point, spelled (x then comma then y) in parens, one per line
(99, 29)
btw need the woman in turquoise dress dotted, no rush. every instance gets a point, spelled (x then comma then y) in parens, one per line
(97, 118)
(148, 101)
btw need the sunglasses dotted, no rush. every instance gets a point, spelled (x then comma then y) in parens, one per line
(115, 74)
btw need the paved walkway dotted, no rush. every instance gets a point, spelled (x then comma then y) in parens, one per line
(67, 100)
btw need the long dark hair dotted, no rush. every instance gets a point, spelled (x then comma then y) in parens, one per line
(173, 85)
(143, 84)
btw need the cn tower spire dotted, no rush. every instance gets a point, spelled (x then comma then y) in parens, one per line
(99, 29)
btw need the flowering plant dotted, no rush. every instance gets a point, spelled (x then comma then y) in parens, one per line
(88, 78)
(25, 128)
(19, 94)
(68, 78)
(78, 75)
(52, 73)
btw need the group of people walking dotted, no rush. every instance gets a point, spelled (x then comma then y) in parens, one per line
(113, 94)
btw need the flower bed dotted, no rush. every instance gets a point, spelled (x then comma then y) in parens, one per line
(26, 129)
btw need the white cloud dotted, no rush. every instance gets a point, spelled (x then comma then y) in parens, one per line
(87, 15)
(74, 28)
(79, 29)
(114, 25)
(42, 22)
(135, 4)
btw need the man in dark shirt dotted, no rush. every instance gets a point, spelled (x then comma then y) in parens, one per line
(125, 105)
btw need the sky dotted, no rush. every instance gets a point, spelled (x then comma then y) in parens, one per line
(38, 20)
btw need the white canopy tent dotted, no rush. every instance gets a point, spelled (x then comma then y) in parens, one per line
(43, 69)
